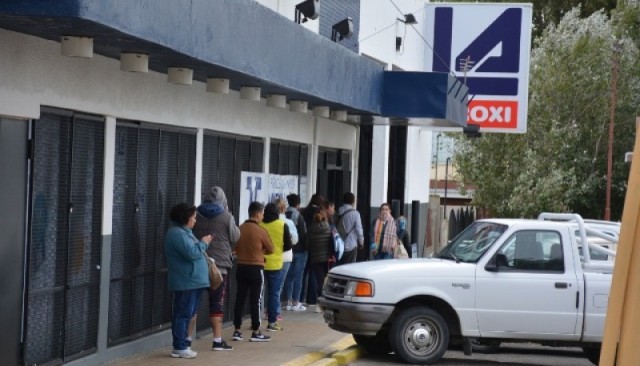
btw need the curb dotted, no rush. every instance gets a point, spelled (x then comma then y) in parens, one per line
(348, 355)
(318, 358)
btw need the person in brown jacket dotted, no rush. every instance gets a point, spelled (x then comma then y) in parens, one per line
(253, 244)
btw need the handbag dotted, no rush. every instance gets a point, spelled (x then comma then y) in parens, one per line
(215, 277)
(338, 243)
(400, 252)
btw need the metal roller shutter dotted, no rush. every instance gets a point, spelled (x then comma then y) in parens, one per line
(154, 169)
(224, 158)
(64, 253)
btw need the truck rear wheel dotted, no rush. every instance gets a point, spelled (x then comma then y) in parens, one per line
(592, 353)
(375, 345)
(419, 335)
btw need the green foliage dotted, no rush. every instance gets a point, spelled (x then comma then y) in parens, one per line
(549, 12)
(560, 164)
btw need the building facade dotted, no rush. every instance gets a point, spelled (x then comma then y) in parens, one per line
(96, 144)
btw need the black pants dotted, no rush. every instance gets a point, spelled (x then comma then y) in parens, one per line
(319, 270)
(248, 279)
(349, 256)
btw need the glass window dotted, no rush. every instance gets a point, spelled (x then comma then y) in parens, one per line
(533, 250)
(473, 242)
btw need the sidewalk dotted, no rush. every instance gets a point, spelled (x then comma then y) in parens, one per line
(305, 339)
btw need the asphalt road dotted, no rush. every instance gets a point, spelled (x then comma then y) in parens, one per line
(511, 354)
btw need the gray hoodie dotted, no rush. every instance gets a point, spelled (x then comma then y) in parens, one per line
(213, 217)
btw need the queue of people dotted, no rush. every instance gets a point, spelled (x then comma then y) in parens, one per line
(281, 249)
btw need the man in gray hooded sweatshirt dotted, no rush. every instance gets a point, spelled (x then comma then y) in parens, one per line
(213, 218)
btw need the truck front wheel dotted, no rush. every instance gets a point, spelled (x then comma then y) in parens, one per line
(419, 335)
(375, 345)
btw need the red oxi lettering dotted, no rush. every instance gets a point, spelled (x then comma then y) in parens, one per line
(493, 113)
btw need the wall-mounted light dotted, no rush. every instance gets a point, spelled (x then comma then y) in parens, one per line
(180, 75)
(344, 28)
(216, 85)
(250, 93)
(300, 106)
(77, 46)
(409, 19)
(308, 9)
(134, 62)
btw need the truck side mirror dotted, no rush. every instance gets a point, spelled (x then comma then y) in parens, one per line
(499, 260)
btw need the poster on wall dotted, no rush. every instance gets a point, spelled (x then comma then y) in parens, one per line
(264, 188)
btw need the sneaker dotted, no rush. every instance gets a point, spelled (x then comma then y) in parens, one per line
(274, 327)
(288, 308)
(298, 307)
(259, 337)
(318, 309)
(221, 346)
(187, 353)
(237, 336)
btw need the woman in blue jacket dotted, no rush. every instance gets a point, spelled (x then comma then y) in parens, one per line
(188, 274)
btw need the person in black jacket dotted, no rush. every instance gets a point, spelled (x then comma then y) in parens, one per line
(293, 283)
(319, 241)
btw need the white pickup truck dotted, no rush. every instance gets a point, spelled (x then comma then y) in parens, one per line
(500, 280)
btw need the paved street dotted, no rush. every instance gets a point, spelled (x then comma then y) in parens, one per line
(510, 354)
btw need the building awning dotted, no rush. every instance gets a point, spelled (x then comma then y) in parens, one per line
(246, 43)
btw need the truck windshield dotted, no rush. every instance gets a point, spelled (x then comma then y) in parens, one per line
(472, 243)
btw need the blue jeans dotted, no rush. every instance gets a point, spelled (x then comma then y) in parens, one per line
(185, 306)
(274, 284)
(286, 266)
(293, 283)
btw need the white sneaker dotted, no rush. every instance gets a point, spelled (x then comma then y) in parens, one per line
(187, 353)
(288, 308)
(298, 307)
(318, 309)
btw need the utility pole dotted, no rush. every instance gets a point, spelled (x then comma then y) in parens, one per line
(614, 84)
(446, 185)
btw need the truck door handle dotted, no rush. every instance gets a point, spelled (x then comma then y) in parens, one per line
(561, 285)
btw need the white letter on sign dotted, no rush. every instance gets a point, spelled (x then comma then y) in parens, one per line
(479, 113)
(496, 114)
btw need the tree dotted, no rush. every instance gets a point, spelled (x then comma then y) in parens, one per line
(560, 163)
(549, 12)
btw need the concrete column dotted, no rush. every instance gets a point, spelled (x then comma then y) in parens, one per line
(197, 191)
(107, 230)
(379, 166)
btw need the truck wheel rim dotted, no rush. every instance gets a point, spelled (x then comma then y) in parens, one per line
(421, 336)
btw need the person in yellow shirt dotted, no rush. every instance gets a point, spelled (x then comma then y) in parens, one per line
(278, 231)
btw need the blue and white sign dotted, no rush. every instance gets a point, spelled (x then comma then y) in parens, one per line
(488, 47)
(264, 188)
